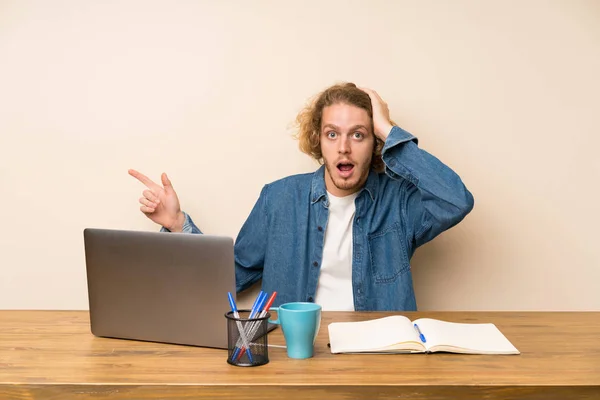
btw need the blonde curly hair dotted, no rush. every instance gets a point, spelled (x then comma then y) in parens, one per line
(309, 120)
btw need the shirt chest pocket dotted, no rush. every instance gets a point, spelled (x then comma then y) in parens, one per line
(388, 254)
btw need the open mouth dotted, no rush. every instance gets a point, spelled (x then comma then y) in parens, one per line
(345, 168)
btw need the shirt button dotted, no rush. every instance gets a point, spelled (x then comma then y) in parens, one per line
(310, 299)
(315, 264)
(320, 229)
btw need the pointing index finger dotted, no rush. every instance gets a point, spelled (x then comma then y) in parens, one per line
(143, 178)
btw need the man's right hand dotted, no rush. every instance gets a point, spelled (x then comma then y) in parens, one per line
(160, 203)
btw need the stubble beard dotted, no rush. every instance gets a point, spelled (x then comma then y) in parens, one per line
(355, 182)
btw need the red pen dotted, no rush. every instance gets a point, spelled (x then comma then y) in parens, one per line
(254, 327)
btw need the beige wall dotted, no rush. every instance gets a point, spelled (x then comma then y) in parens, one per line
(505, 92)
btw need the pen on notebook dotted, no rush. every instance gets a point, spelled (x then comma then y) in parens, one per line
(256, 324)
(240, 327)
(421, 336)
(241, 345)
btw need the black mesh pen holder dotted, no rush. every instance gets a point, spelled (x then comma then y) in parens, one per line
(247, 344)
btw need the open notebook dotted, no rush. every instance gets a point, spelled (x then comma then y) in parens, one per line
(397, 334)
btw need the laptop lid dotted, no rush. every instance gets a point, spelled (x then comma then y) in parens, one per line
(160, 287)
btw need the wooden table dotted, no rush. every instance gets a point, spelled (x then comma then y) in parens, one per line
(53, 355)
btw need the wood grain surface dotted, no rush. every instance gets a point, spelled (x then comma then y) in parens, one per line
(53, 355)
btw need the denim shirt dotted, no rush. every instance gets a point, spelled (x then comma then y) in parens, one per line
(415, 199)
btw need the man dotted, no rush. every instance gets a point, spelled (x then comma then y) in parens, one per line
(344, 235)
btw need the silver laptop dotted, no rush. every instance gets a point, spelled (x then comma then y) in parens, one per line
(159, 287)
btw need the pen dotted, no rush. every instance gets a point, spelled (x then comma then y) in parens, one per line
(268, 305)
(245, 345)
(258, 305)
(256, 324)
(240, 327)
(256, 300)
(421, 336)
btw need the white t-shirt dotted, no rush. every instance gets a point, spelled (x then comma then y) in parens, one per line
(334, 290)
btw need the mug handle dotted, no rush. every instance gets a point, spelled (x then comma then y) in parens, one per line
(277, 320)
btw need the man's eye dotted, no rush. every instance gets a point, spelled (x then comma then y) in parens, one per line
(358, 135)
(331, 134)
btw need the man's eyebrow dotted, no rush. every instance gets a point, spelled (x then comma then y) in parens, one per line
(332, 126)
(359, 127)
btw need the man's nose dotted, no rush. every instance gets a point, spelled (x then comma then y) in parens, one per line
(344, 146)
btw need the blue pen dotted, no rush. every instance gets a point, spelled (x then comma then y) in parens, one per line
(256, 324)
(253, 311)
(240, 329)
(256, 309)
(421, 336)
(258, 305)
(256, 300)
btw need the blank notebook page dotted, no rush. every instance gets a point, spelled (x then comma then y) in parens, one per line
(479, 337)
(374, 334)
